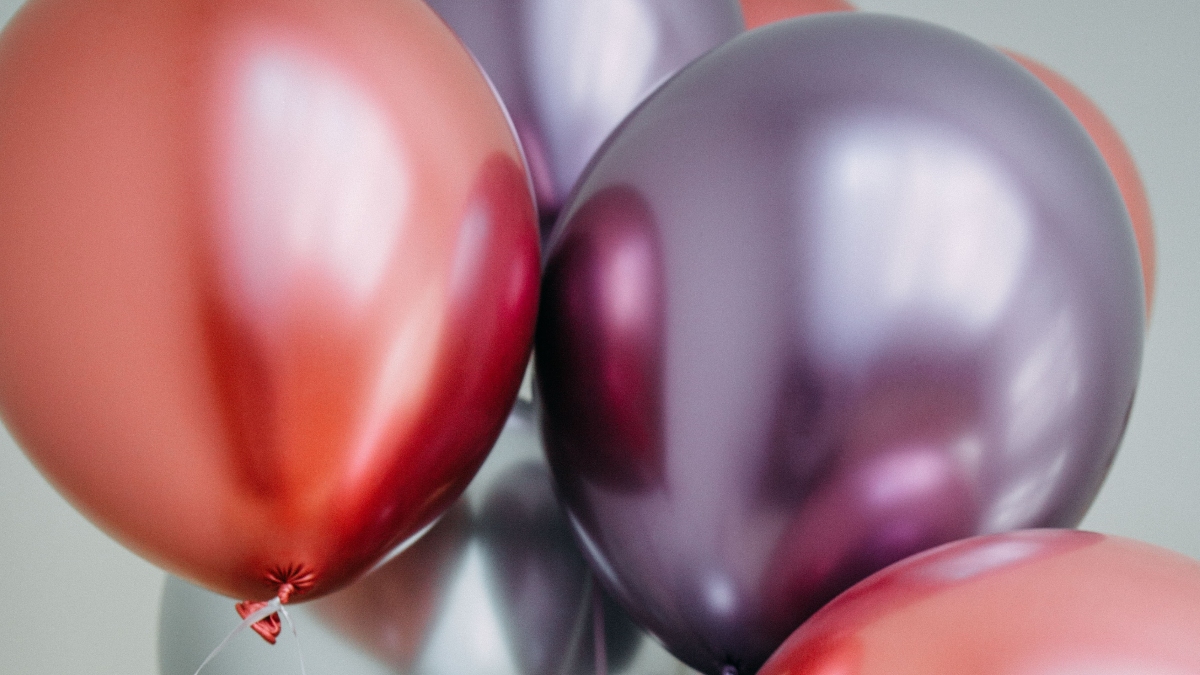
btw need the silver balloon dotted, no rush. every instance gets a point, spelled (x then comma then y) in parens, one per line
(496, 587)
(570, 70)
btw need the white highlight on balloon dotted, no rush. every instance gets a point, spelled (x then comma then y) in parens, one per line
(628, 287)
(917, 221)
(981, 559)
(592, 62)
(316, 181)
(719, 593)
(1026, 495)
(1045, 386)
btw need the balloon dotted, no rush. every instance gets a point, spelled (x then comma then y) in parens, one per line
(1037, 602)
(268, 276)
(1116, 155)
(762, 12)
(496, 587)
(844, 289)
(570, 70)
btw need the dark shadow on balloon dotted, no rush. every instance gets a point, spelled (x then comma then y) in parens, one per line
(599, 344)
(542, 582)
(892, 474)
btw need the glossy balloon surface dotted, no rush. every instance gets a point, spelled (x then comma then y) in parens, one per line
(570, 70)
(762, 12)
(268, 276)
(1116, 155)
(1039, 602)
(846, 288)
(496, 587)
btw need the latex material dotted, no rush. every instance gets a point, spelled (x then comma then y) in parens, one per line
(1119, 161)
(570, 70)
(801, 321)
(762, 12)
(497, 587)
(1026, 603)
(268, 276)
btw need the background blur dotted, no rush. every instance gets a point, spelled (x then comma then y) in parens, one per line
(72, 600)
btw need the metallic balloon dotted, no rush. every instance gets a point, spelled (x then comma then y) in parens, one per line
(1037, 602)
(496, 587)
(570, 70)
(1119, 160)
(268, 276)
(846, 288)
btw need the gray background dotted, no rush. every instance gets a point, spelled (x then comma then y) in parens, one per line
(72, 601)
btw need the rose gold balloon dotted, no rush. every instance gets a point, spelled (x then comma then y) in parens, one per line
(268, 276)
(762, 12)
(1115, 154)
(1037, 602)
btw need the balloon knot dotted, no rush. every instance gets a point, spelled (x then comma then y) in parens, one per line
(267, 627)
(290, 581)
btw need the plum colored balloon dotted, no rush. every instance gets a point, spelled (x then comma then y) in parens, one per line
(268, 276)
(762, 12)
(844, 289)
(496, 587)
(1116, 155)
(1036, 602)
(570, 70)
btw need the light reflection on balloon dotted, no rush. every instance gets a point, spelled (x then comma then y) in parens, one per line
(948, 253)
(315, 178)
(570, 70)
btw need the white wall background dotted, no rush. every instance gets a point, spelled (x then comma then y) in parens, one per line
(72, 601)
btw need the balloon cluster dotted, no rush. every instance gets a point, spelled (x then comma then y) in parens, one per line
(814, 298)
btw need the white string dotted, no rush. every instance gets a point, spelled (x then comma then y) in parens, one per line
(270, 608)
(296, 635)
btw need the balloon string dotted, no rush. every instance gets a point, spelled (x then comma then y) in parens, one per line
(599, 642)
(266, 610)
(296, 635)
(581, 616)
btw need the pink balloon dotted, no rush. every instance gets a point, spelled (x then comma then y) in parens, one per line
(1034, 602)
(762, 12)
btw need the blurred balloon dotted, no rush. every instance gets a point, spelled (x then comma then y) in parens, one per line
(1116, 155)
(1039, 602)
(762, 12)
(389, 611)
(268, 276)
(570, 70)
(496, 587)
(846, 288)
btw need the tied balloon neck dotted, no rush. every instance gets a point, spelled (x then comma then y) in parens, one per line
(290, 581)
(266, 614)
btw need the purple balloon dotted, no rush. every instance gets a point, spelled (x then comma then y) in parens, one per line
(570, 70)
(846, 288)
